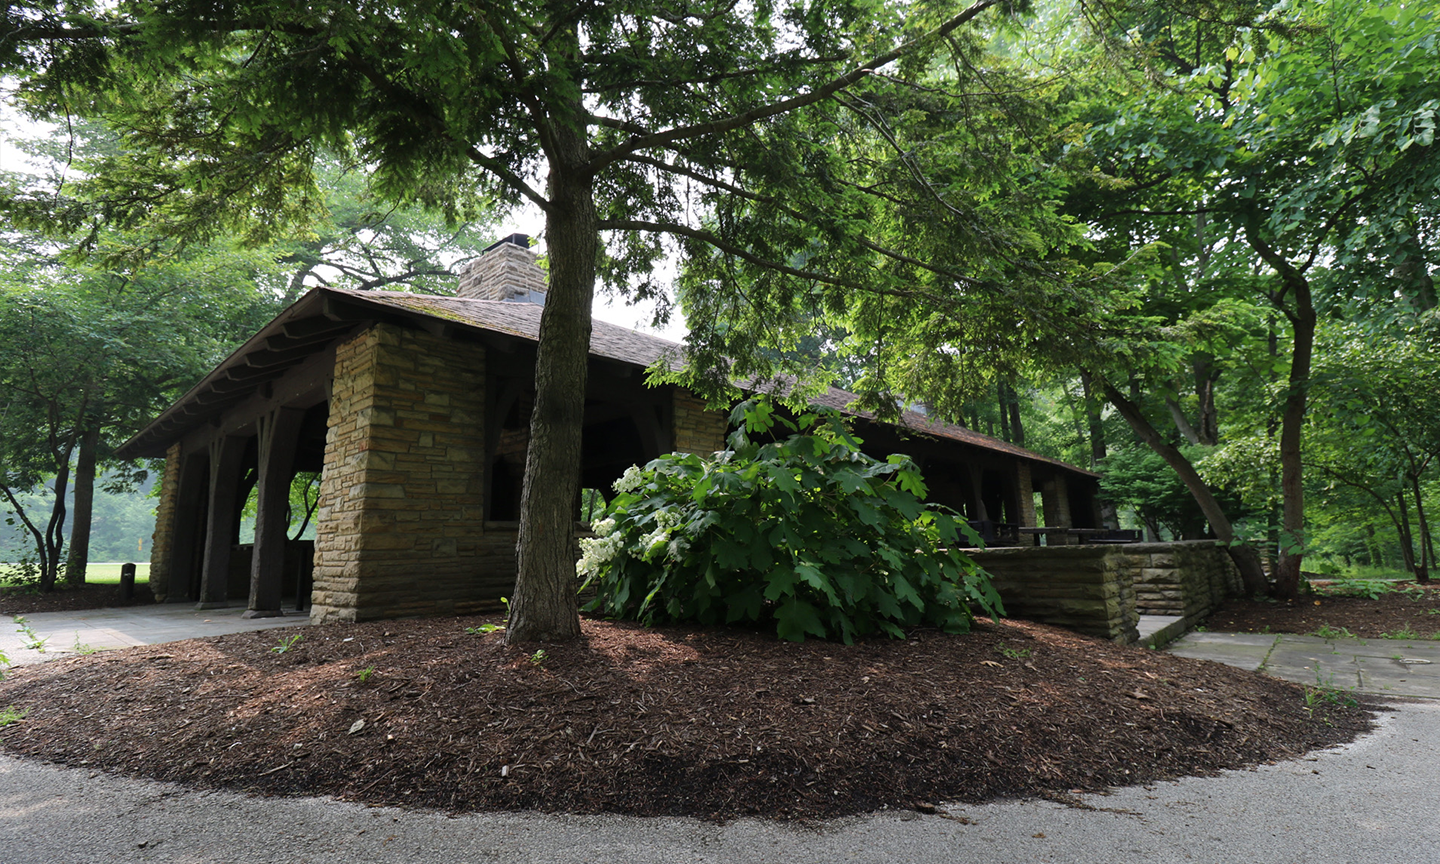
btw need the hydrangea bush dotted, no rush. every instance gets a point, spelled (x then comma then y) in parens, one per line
(807, 531)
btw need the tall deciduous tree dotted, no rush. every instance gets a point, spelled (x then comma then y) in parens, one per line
(623, 121)
(1307, 131)
(1377, 425)
(85, 354)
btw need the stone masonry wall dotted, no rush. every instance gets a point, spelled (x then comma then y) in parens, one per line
(1079, 587)
(697, 429)
(504, 272)
(163, 540)
(399, 527)
(1102, 590)
(1187, 579)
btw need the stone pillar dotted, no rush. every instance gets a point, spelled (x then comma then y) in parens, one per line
(505, 271)
(1055, 499)
(163, 539)
(400, 529)
(1025, 493)
(697, 430)
(225, 455)
(278, 438)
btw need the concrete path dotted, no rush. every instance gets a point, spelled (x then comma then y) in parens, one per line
(1384, 667)
(99, 629)
(1371, 802)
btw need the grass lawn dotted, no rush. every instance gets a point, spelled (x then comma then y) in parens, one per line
(98, 574)
(109, 574)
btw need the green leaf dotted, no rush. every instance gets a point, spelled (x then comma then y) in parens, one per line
(795, 619)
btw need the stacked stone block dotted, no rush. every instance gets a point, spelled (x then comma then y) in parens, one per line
(1188, 579)
(697, 429)
(506, 271)
(1083, 588)
(400, 524)
(162, 542)
(1103, 590)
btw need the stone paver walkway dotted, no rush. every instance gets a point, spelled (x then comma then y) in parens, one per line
(100, 629)
(1383, 667)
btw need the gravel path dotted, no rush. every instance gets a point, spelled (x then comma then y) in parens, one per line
(1371, 801)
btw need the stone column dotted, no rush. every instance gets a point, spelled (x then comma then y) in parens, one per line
(225, 455)
(162, 541)
(278, 438)
(697, 430)
(400, 530)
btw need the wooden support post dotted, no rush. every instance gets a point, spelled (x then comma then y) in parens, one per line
(184, 579)
(1023, 495)
(1055, 499)
(977, 498)
(279, 436)
(225, 464)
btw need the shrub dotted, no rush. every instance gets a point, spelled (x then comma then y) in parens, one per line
(807, 531)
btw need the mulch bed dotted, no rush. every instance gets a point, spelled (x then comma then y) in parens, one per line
(710, 723)
(1413, 613)
(15, 601)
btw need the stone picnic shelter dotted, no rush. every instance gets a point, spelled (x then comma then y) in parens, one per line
(414, 409)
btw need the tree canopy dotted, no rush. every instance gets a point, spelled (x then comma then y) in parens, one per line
(625, 122)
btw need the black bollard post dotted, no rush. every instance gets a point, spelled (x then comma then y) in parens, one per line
(127, 582)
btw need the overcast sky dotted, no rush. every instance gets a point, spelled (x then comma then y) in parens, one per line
(529, 221)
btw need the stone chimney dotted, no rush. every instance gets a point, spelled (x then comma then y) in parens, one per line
(506, 270)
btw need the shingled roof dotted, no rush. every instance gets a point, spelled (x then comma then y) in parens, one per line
(324, 314)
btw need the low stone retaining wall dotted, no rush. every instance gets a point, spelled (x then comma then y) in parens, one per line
(1103, 590)
(1083, 588)
(1187, 579)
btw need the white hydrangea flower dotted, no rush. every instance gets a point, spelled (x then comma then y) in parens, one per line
(653, 542)
(632, 479)
(596, 553)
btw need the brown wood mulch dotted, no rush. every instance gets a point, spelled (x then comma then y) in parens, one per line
(1411, 613)
(710, 723)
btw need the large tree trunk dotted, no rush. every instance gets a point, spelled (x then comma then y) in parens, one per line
(1182, 423)
(1004, 410)
(54, 542)
(1206, 375)
(1292, 420)
(1017, 429)
(545, 606)
(1109, 518)
(1422, 524)
(1301, 313)
(79, 556)
(1407, 543)
(1244, 556)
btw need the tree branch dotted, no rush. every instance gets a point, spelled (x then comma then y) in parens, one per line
(799, 216)
(824, 91)
(730, 249)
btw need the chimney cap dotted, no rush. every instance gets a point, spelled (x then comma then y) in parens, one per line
(521, 240)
